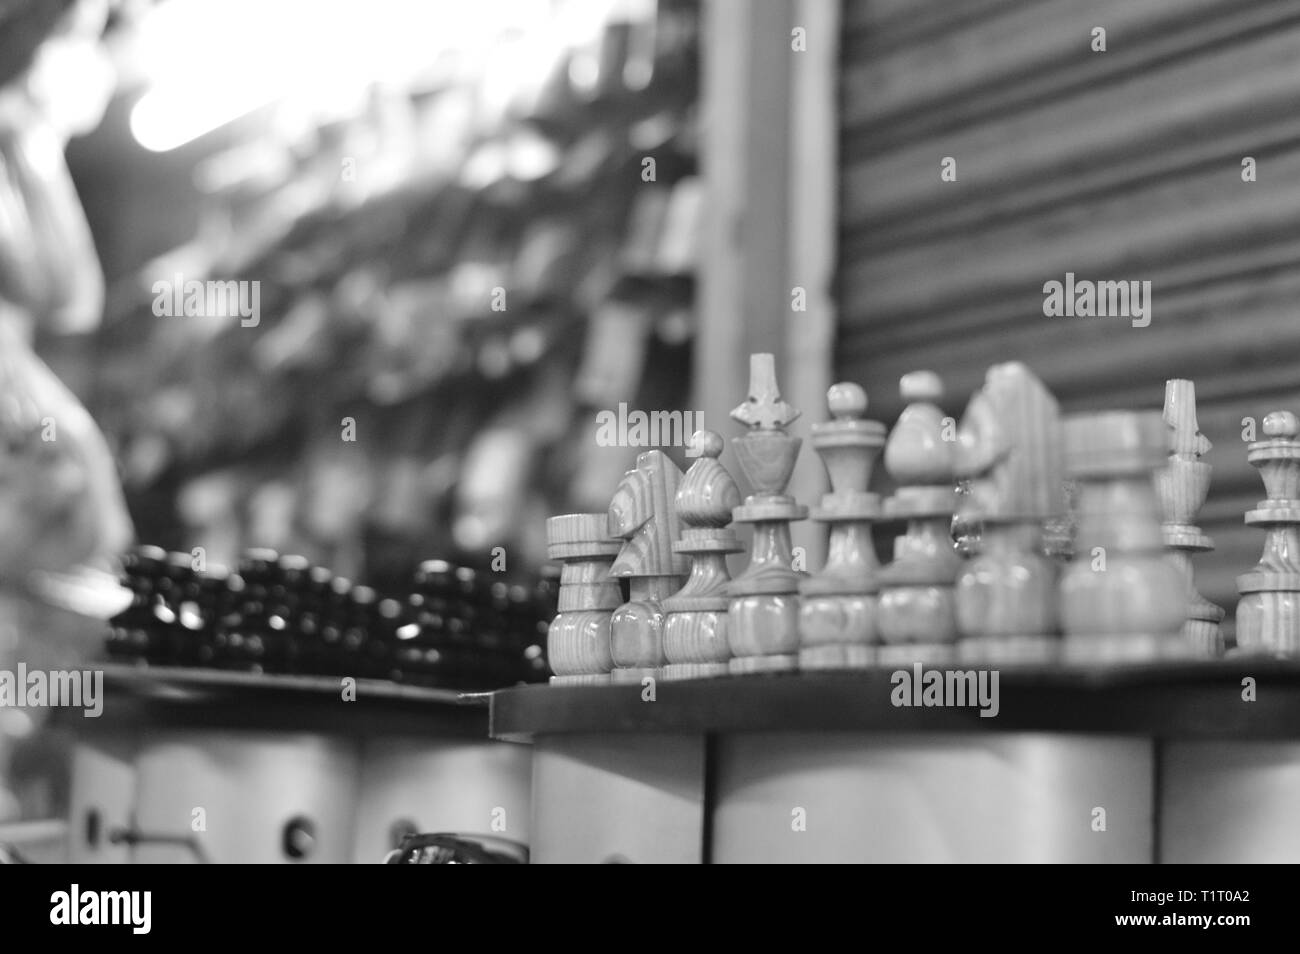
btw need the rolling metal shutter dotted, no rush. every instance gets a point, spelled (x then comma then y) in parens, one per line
(1118, 165)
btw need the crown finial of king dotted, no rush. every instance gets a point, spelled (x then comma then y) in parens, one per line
(764, 410)
(1180, 414)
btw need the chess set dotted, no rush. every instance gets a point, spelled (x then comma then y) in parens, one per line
(1077, 534)
(280, 614)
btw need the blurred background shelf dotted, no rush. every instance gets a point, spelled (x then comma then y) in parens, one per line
(446, 255)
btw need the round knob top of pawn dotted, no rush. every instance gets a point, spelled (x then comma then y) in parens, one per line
(706, 444)
(920, 386)
(1281, 424)
(846, 401)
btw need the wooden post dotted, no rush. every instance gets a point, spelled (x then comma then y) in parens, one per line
(768, 158)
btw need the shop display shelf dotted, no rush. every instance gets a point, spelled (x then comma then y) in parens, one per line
(1175, 700)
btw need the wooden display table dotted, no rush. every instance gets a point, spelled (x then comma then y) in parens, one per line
(1160, 762)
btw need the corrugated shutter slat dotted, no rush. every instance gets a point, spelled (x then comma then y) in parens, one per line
(1123, 165)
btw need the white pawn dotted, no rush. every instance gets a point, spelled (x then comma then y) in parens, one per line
(917, 600)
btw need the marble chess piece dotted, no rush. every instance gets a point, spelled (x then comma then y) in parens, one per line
(1182, 485)
(1123, 598)
(1009, 450)
(1268, 613)
(643, 515)
(837, 614)
(917, 616)
(578, 639)
(763, 616)
(695, 621)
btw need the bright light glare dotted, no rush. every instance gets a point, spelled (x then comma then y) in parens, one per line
(212, 61)
(170, 117)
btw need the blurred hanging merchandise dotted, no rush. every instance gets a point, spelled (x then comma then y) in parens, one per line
(438, 252)
(62, 507)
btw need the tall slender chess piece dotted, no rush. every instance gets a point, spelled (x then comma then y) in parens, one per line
(763, 617)
(642, 514)
(1009, 448)
(577, 643)
(1123, 598)
(695, 621)
(917, 615)
(1182, 486)
(1268, 613)
(837, 614)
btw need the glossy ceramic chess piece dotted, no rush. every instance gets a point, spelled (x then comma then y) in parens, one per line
(763, 618)
(1123, 598)
(1182, 486)
(1268, 613)
(695, 624)
(578, 640)
(643, 515)
(837, 613)
(917, 604)
(1009, 449)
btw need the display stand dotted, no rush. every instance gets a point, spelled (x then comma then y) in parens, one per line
(1177, 762)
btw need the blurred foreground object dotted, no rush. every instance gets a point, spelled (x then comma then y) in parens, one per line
(60, 501)
(443, 849)
(61, 504)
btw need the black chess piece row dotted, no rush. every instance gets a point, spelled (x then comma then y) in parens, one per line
(281, 614)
